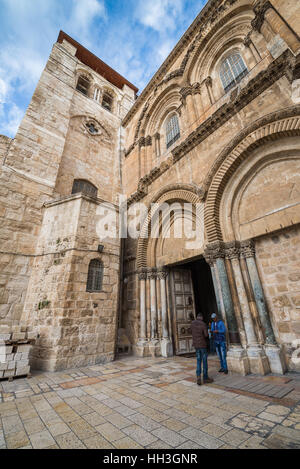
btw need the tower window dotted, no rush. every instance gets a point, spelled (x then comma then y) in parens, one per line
(83, 85)
(107, 101)
(172, 130)
(233, 69)
(86, 187)
(95, 276)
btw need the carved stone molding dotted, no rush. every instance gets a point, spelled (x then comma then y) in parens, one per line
(260, 9)
(162, 274)
(247, 41)
(215, 251)
(200, 30)
(143, 274)
(247, 249)
(152, 274)
(232, 250)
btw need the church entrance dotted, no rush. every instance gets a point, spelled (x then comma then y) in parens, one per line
(192, 292)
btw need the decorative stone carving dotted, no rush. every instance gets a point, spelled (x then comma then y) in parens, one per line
(247, 249)
(232, 250)
(260, 9)
(162, 274)
(143, 274)
(151, 274)
(215, 251)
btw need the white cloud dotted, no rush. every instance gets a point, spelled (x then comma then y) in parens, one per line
(159, 15)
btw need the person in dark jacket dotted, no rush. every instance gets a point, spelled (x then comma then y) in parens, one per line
(200, 338)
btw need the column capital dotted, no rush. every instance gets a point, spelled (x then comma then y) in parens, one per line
(232, 250)
(247, 40)
(162, 274)
(247, 249)
(260, 8)
(142, 273)
(214, 251)
(152, 273)
(208, 81)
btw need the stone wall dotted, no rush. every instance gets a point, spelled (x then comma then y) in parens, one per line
(76, 327)
(278, 259)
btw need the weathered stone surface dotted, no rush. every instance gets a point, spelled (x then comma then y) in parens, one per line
(236, 159)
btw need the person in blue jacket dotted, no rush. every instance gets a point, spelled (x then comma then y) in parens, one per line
(218, 330)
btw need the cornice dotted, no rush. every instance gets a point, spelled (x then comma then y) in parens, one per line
(286, 65)
(209, 15)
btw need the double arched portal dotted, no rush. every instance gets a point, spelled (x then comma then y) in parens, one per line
(251, 193)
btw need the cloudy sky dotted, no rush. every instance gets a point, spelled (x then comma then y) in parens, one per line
(132, 36)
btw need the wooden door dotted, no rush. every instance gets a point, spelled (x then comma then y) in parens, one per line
(183, 310)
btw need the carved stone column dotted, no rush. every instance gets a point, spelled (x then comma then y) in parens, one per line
(273, 352)
(250, 45)
(217, 286)
(152, 275)
(257, 360)
(142, 342)
(166, 344)
(208, 85)
(237, 358)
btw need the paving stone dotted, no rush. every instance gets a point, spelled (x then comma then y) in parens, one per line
(214, 430)
(140, 435)
(169, 436)
(271, 417)
(127, 443)
(34, 425)
(201, 438)
(235, 437)
(118, 420)
(17, 440)
(57, 429)
(97, 442)
(276, 441)
(69, 441)
(143, 421)
(42, 440)
(110, 432)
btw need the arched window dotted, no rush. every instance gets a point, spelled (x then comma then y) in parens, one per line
(172, 130)
(233, 69)
(107, 101)
(83, 85)
(95, 276)
(86, 187)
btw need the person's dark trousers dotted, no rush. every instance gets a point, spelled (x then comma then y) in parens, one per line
(201, 354)
(222, 353)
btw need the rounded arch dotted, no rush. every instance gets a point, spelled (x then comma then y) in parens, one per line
(232, 27)
(177, 192)
(165, 102)
(267, 129)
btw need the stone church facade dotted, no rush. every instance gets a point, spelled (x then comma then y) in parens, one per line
(215, 135)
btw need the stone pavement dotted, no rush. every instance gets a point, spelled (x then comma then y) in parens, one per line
(149, 403)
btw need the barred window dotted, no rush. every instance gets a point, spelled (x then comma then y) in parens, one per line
(86, 187)
(95, 276)
(107, 101)
(172, 130)
(83, 85)
(233, 69)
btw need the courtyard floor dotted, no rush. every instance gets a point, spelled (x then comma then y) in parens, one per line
(149, 403)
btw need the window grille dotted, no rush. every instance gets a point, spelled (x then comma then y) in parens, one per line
(95, 276)
(107, 101)
(233, 69)
(172, 130)
(85, 187)
(83, 85)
